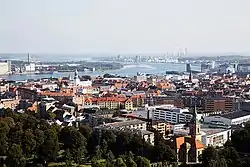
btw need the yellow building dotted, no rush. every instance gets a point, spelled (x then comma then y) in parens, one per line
(129, 105)
(110, 103)
(162, 127)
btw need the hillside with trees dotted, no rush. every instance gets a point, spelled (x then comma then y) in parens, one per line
(26, 141)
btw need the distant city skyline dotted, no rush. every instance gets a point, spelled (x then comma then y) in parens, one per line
(125, 27)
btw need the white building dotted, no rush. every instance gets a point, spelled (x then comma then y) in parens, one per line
(173, 115)
(30, 67)
(225, 69)
(50, 86)
(233, 118)
(5, 67)
(135, 126)
(78, 82)
(215, 137)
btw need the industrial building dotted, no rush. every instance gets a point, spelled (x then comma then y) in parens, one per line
(5, 67)
(232, 118)
(243, 68)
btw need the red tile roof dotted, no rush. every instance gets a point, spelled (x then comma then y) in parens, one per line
(56, 94)
(199, 145)
(179, 142)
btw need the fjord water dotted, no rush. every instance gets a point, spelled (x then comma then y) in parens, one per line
(127, 70)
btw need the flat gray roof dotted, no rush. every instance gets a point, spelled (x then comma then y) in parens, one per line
(236, 114)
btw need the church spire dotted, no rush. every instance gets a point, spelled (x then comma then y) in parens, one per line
(194, 128)
(190, 76)
(76, 74)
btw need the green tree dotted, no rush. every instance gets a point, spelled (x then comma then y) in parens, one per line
(85, 131)
(43, 125)
(15, 134)
(211, 158)
(104, 148)
(109, 137)
(67, 156)
(30, 123)
(49, 148)
(142, 161)
(10, 121)
(130, 162)
(3, 144)
(39, 137)
(119, 163)
(110, 159)
(28, 143)
(4, 129)
(97, 154)
(8, 112)
(122, 142)
(74, 141)
(209, 154)
(231, 157)
(51, 115)
(163, 153)
(15, 156)
(97, 163)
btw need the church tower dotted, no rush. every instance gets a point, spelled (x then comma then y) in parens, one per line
(190, 78)
(76, 78)
(194, 127)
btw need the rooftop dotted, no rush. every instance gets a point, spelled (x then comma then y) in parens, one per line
(211, 131)
(123, 124)
(236, 114)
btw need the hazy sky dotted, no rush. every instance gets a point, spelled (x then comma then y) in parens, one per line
(124, 26)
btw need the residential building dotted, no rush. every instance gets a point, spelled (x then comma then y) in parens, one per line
(133, 126)
(129, 104)
(162, 127)
(50, 86)
(4, 87)
(164, 85)
(62, 97)
(216, 137)
(10, 103)
(165, 99)
(213, 104)
(27, 93)
(108, 102)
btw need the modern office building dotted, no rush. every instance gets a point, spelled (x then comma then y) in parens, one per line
(172, 115)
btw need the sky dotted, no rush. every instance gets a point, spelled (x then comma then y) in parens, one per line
(124, 26)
